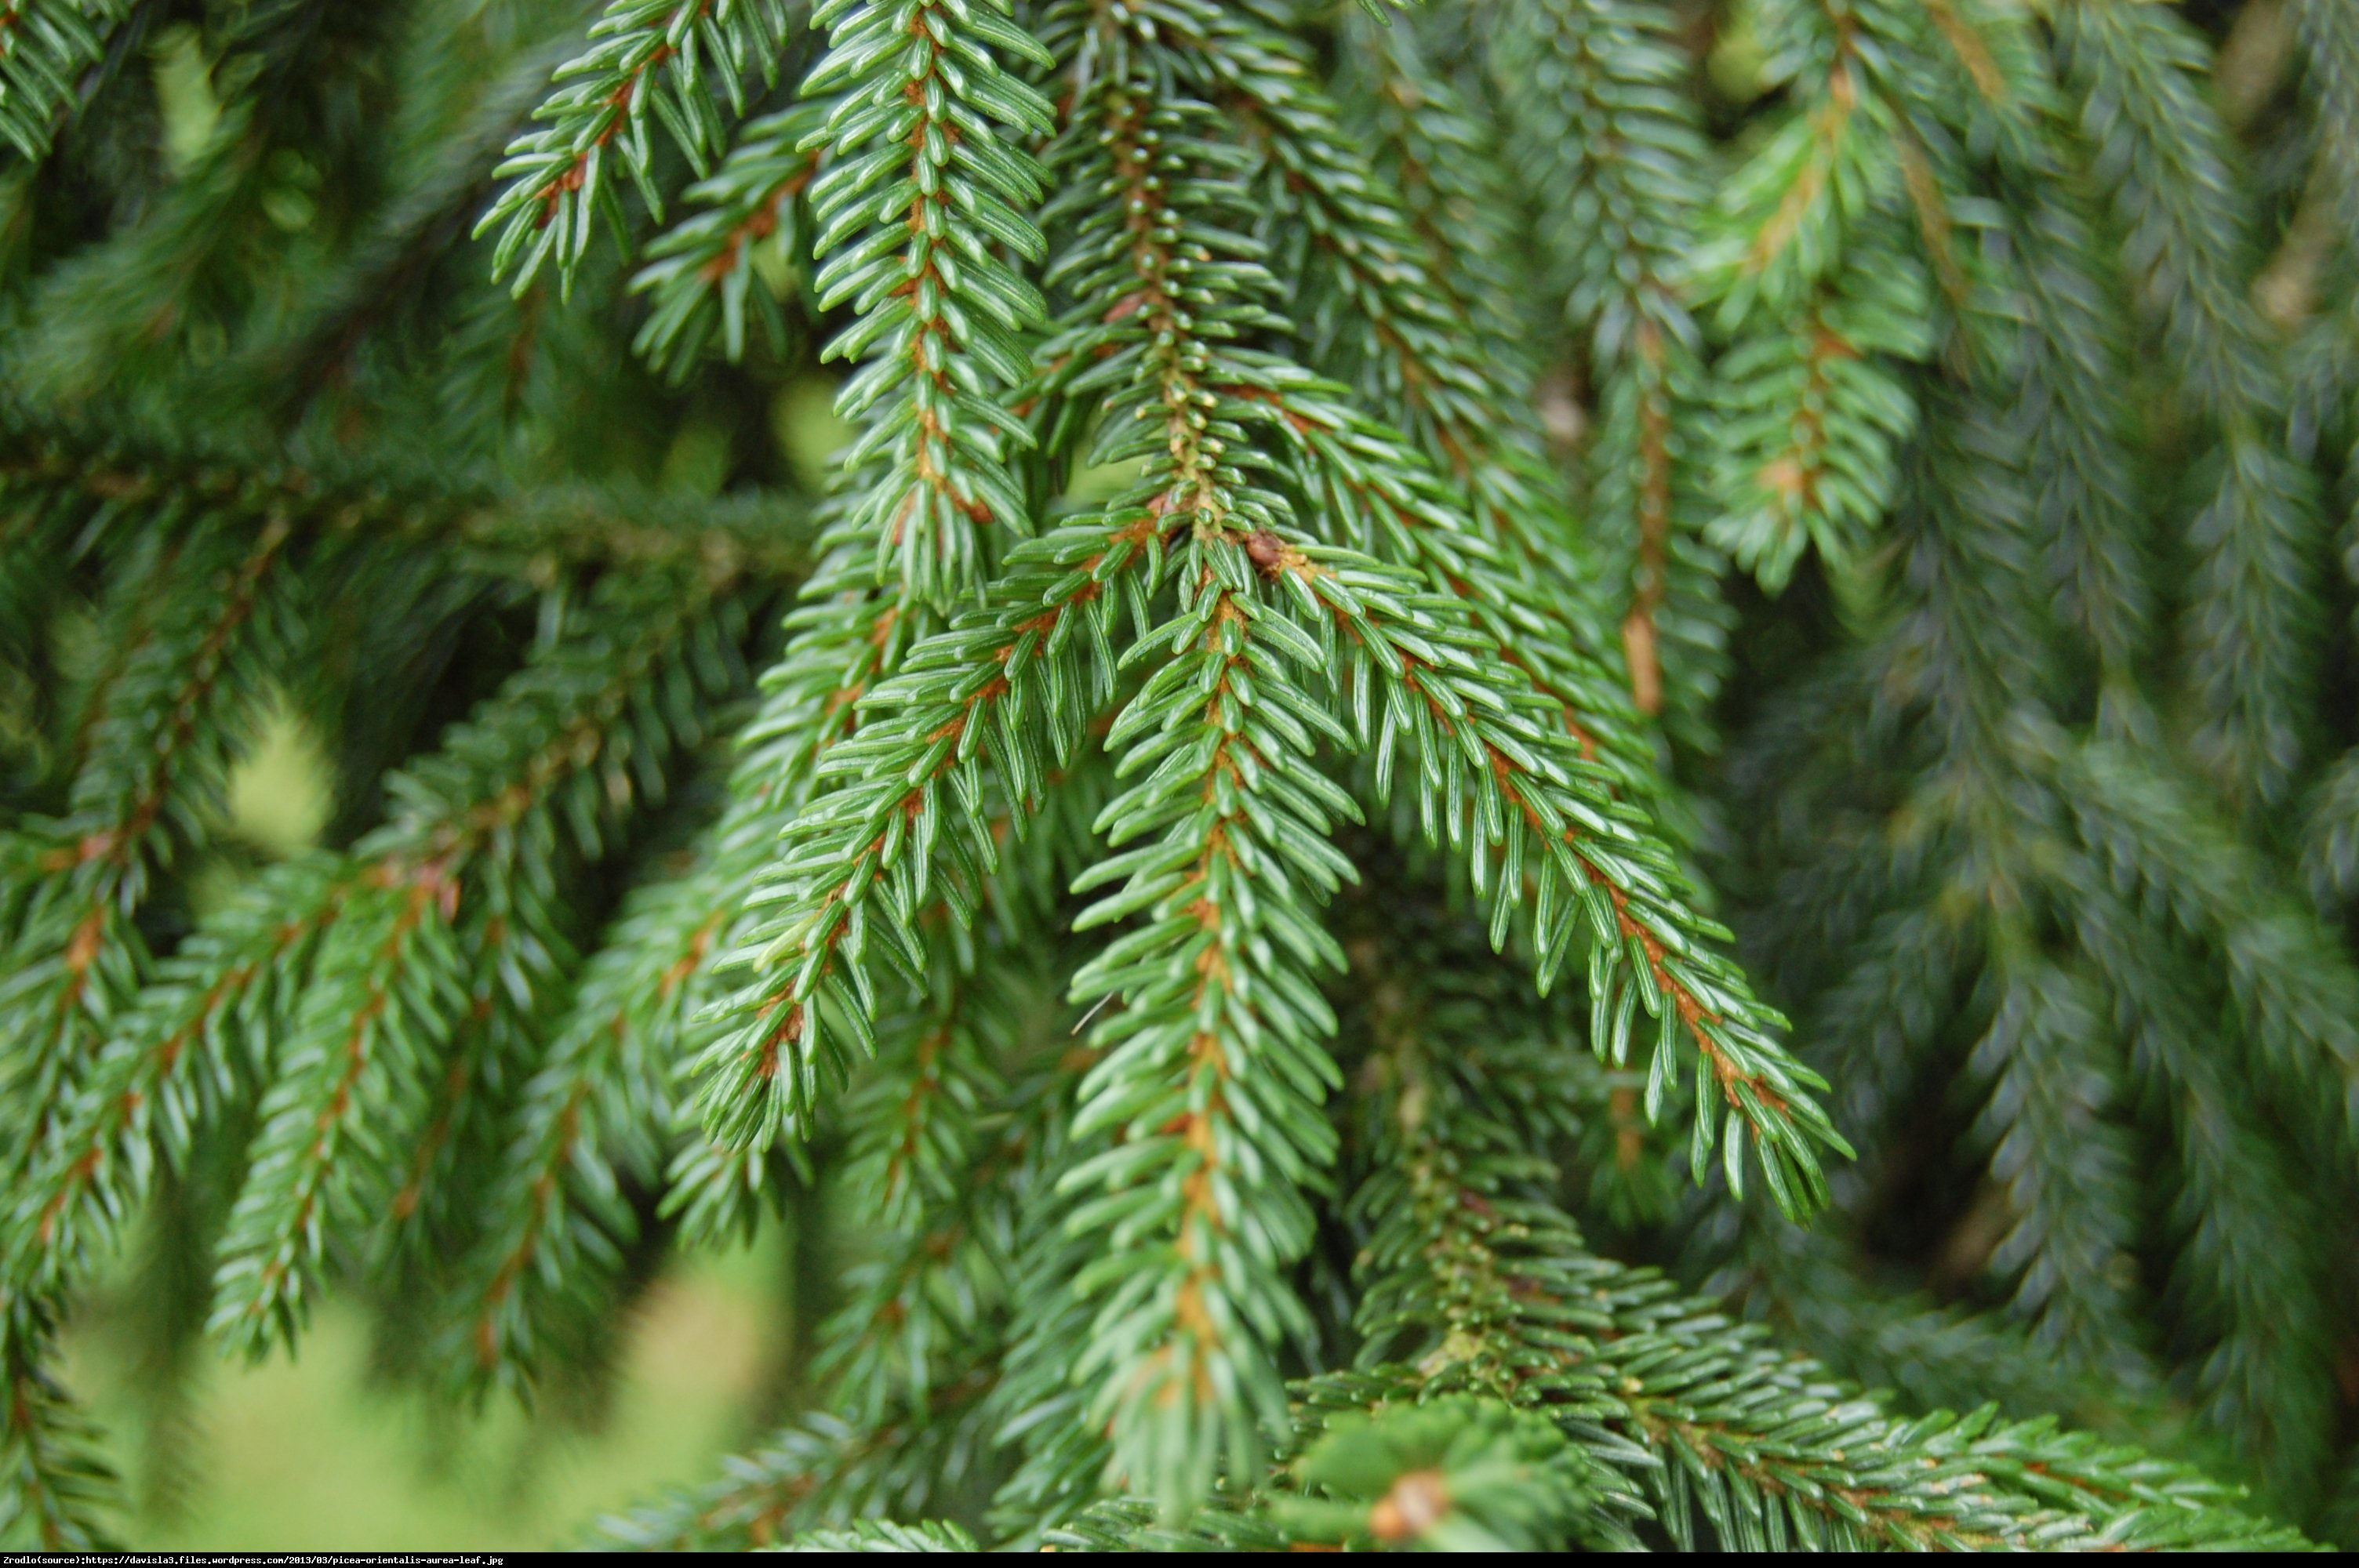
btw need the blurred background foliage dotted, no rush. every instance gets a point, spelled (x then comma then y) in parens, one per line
(319, 1453)
(329, 1449)
(326, 1450)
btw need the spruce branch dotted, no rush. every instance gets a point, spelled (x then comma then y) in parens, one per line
(1822, 304)
(120, 315)
(964, 1150)
(2159, 149)
(1457, 1263)
(1021, 676)
(2330, 853)
(576, 738)
(161, 737)
(2155, 144)
(1812, 414)
(1871, 1331)
(554, 1222)
(201, 1026)
(1387, 501)
(1391, 328)
(1881, 1014)
(1604, 75)
(46, 49)
(680, 63)
(1965, 641)
(521, 959)
(1468, 724)
(300, 359)
(847, 636)
(1195, 1341)
(1133, 1524)
(925, 182)
(1757, 1447)
(2066, 1171)
(1214, 1066)
(1941, 1481)
(1263, 416)
(1537, 822)
(1456, 193)
(1058, 1461)
(884, 1536)
(2079, 426)
(2255, 641)
(388, 981)
(81, 477)
(604, 1098)
(1788, 214)
(936, 1152)
(2296, 993)
(54, 1483)
(2329, 42)
(1393, 331)
(2248, 1278)
(704, 274)
(815, 1471)
(1589, 113)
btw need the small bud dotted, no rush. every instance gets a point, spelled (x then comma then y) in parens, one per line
(1265, 550)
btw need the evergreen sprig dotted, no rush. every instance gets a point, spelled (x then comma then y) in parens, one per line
(709, 266)
(576, 735)
(66, 482)
(1591, 110)
(45, 47)
(211, 608)
(926, 183)
(679, 64)
(1387, 589)
(2159, 149)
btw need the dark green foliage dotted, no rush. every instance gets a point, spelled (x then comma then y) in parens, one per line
(1403, 586)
